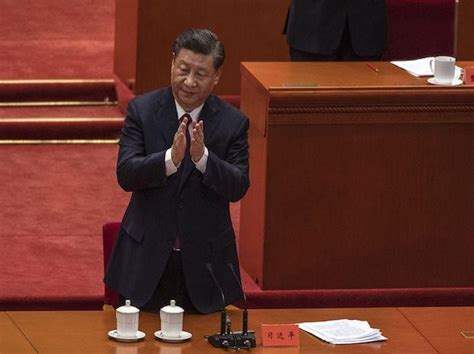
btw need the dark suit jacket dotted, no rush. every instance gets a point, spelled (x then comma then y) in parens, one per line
(190, 204)
(316, 26)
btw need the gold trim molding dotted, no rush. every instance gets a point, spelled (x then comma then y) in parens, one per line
(58, 141)
(57, 81)
(59, 103)
(308, 115)
(370, 109)
(62, 120)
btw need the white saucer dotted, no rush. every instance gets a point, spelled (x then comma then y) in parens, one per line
(114, 335)
(455, 82)
(184, 336)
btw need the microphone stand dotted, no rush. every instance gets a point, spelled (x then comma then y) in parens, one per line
(224, 339)
(246, 339)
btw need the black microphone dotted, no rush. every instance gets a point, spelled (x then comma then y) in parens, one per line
(223, 339)
(246, 339)
(223, 312)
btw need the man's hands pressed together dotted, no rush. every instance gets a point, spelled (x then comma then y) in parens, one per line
(196, 150)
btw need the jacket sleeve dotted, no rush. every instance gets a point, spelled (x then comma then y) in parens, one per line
(229, 177)
(137, 170)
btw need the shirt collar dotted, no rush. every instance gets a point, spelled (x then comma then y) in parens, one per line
(194, 113)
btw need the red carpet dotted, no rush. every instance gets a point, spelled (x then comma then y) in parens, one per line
(54, 200)
(46, 39)
(59, 109)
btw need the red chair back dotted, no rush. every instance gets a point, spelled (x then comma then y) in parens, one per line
(109, 234)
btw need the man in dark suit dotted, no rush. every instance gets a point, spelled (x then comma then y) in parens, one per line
(327, 30)
(184, 156)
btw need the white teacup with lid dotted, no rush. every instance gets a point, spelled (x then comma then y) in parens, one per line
(171, 320)
(127, 320)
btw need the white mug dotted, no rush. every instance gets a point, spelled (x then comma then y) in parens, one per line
(444, 69)
(171, 320)
(127, 320)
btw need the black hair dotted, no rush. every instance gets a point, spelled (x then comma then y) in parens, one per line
(201, 41)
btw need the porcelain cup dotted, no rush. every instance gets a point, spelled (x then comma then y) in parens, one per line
(127, 320)
(444, 69)
(171, 320)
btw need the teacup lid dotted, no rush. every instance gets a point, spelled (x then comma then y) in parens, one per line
(172, 308)
(128, 308)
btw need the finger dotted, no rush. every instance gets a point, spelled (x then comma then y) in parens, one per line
(183, 125)
(179, 140)
(198, 131)
(200, 126)
(196, 139)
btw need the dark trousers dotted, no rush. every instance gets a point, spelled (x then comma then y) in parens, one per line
(344, 52)
(171, 286)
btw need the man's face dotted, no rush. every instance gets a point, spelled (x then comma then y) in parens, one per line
(192, 78)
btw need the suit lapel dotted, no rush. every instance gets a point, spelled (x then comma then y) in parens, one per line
(209, 115)
(166, 117)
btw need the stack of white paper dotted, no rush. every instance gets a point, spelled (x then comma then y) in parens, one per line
(420, 67)
(343, 331)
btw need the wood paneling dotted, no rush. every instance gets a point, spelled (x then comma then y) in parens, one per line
(465, 28)
(249, 30)
(125, 52)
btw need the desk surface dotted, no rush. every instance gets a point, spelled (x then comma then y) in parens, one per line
(442, 326)
(318, 75)
(409, 330)
(11, 338)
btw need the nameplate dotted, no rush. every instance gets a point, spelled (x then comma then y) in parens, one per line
(469, 75)
(280, 335)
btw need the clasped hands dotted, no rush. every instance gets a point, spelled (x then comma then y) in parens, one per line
(196, 149)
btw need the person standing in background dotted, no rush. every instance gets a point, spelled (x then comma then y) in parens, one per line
(331, 30)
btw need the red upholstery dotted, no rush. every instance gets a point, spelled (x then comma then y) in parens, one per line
(420, 28)
(109, 234)
(124, 94)
(361, 298)
(233, 100)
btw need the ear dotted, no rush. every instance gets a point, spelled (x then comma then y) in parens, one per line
(218, 76)
(172, 61)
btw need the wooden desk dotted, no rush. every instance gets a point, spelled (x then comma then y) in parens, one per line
(359, 179)
(12, 340)
(86, 332)
(442, 326)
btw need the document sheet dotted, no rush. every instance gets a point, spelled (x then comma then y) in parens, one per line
(343, 331)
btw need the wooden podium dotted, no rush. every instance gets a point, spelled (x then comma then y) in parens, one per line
(359, 179)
